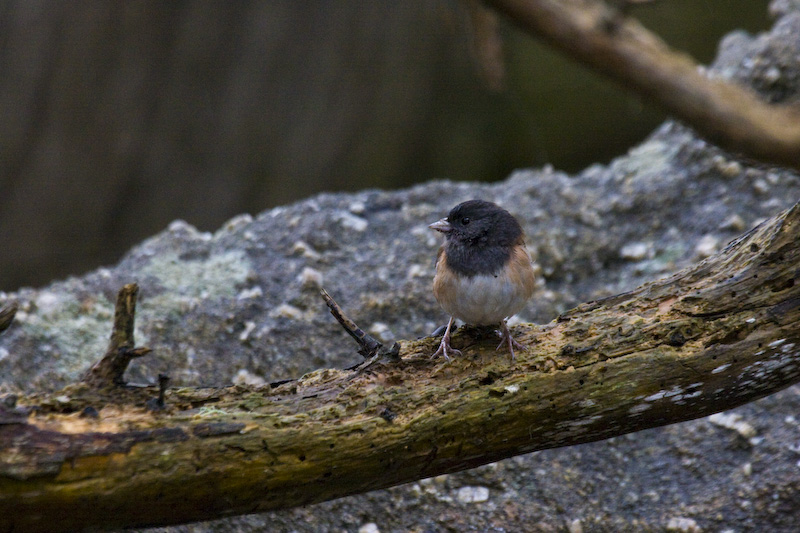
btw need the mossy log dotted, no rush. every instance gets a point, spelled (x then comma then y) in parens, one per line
(714, 336)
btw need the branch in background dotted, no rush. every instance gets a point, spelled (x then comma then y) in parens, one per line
(600, 37)
(487, 45)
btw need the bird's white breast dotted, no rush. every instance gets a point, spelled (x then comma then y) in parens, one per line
(483, 300)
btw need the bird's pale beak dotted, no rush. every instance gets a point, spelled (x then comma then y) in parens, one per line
(441, 225)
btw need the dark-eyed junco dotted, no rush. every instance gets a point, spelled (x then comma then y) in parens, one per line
(484, 273)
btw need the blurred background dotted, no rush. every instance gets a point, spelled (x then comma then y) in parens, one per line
(119, 117)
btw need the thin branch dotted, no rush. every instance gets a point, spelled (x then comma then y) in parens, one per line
(368, 346)
(727, 114)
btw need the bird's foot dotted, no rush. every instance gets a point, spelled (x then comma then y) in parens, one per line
(506, 339)
(444, 347)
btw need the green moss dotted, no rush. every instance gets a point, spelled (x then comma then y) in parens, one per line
(208, 411)
(76, 331)
(218, 276)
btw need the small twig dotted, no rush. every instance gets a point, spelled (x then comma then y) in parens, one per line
(368, 345)
(110, 369)
(7, 314)
(624, 6)
(619, 10)
(487, 45)
(157, 404)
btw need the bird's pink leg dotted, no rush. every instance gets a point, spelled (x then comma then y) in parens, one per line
(444, 346)
(507, 339)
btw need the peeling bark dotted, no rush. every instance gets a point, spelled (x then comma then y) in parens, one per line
(719, 334)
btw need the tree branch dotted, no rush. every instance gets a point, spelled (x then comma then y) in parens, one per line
(709, 338)
(729, 115)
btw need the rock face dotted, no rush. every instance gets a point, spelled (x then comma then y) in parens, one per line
(243, 305)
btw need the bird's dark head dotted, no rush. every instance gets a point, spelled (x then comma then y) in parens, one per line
(478, 222)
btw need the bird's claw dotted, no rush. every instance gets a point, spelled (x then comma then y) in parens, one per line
(506, 339)
(444, 346)
(445, 349)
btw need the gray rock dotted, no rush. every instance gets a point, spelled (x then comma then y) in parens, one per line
(242, 304)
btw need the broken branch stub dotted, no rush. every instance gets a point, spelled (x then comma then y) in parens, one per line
(121, 350)
(7, 314)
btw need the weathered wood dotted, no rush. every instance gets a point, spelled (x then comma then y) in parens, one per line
(714, 336)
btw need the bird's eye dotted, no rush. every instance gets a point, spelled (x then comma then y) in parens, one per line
(465, 221)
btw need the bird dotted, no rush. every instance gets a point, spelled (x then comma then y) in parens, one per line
(484, 273)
